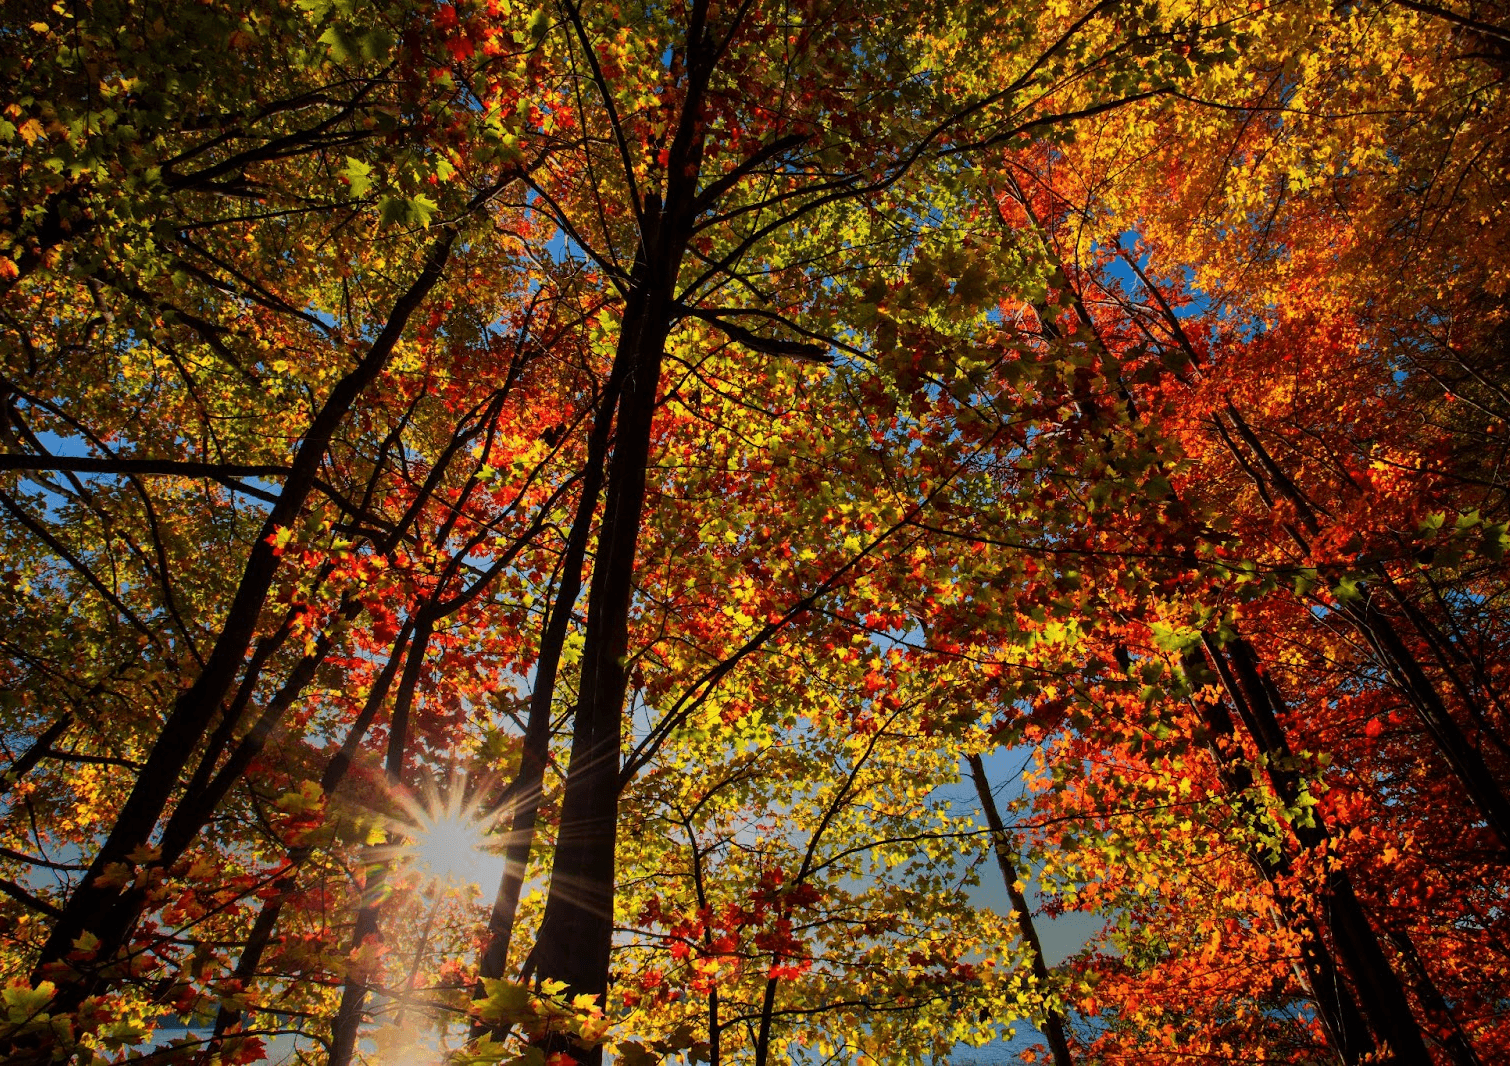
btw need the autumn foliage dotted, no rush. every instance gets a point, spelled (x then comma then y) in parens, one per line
(522, 529)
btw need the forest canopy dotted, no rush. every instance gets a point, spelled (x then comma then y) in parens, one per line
(689, 532)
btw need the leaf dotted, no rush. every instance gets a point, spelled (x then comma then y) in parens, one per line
(1347, 590)
(632, 1053)
(24, 1003)
(345, 45)
(340, 44)
(538, 25)
(358, 175)
(417, 210)
(1496, 540)
(1174, 639)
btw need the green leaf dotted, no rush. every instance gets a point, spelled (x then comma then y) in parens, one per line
(393, 210)
(342, 47)
(538, 25)
(1346, 590)
(1174, 638)
(1496, 540)
(422, 209)
(346, 46)
(358, 175)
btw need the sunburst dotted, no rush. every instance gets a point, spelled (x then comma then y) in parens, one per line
(448, 836)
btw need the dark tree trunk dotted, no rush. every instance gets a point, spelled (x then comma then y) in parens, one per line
(525, 792)
(1380, 993)
(576, 932)
(1334, 1000)
(1450, 1036)
(1467, 764)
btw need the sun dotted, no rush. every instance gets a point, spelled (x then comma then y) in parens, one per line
(449, 841)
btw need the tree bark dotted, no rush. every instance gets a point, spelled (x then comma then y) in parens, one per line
(525, 792)
(576, 932)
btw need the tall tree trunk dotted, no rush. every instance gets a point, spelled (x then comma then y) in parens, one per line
(1006, 858)
(576, 932)
(1335, 1003)
(1450, 1036)
(1380, 993)
(1467, 764)
(525, 792)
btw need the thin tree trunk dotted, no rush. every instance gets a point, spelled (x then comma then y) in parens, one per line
(1441, 646)
(348, 1020)
(1258, 701)
(335, 771)
(525, 793)
(434, 608)
(1466, 762)
(767, 1013)
(194, 811)
(713, 1032)
(1450, 1038)
(1006, 858)
(1395, 655)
